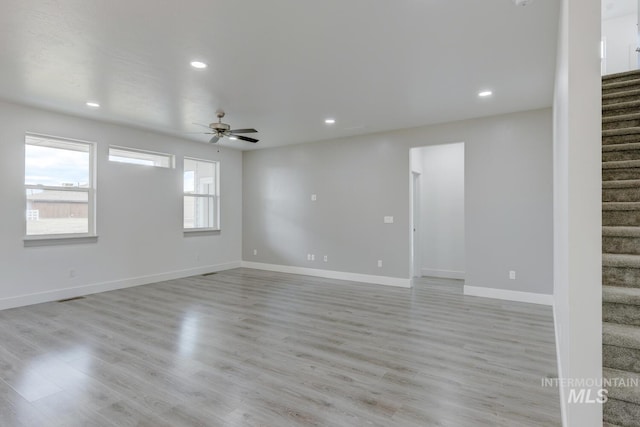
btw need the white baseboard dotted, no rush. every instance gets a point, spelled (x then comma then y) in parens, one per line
(563, 404)
(330, 274)
(443, 274)
(93, 288)
(508, 295)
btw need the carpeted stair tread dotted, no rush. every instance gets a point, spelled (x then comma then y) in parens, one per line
(627, 75)
(621, 206)
(611, 425)
(621, 260)
(621, 231)
(628, 146)
(621, 94)
(622, 183)
(620, 295)
(620, 335)
(628, 394)
(621, 105)
(623, 131)
(621, 164)
(621, 84)
(621, 117)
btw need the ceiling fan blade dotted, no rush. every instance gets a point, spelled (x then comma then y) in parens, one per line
(244, 138)
(200, 124)
(214, 139)
(199, 133)
(243, 131)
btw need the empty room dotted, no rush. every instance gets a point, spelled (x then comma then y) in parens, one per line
(336, 213)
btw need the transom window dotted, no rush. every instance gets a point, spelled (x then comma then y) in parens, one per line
(140, 157)
(201, 195)
(59, 187)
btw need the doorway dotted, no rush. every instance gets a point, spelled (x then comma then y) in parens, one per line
(437, 211)
(620, 37)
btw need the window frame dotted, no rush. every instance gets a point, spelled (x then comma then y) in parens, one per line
(168, 156)
(90, 190)
(215, 197)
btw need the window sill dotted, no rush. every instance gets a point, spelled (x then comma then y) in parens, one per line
(31, 241)
(200, 231)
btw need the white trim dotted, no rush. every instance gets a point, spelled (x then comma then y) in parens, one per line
(93, 288)
(331, 274)
(443, 274)
(530, 297)
(563, 404)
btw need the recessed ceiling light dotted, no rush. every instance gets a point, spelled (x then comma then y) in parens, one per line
(485, 93)
(330, 121)
(93, 104)
(198, 64)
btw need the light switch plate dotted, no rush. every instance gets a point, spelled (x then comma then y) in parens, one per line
(388, 220)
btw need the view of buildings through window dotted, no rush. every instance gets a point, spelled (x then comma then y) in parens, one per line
(59, 187)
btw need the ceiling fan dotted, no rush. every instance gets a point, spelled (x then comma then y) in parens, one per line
(220, 130)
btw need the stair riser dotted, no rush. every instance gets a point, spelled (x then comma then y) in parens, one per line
(625, 359)
(620, 111)
(621, 245)
(621, 276)
(621, 194)
(623, 78)
(621, 313)
(620, 174)
(621, 218)
(620, 139)
(620, 97)
(612, 156)
(621, 124)
(621, 413)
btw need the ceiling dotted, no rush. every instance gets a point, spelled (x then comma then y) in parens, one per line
(281, 66)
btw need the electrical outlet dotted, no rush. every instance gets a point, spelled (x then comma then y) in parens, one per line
(255, 252)
(313, 257)
(314, 197)
(72, 273)
(326, 258)
(379, 263)
(512, 275)
(308, 257)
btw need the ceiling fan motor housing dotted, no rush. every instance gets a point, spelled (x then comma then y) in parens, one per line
(219, 127)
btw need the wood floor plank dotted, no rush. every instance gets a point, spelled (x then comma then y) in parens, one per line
(255, 348)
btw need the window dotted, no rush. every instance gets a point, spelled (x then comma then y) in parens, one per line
(59, 185)
(140, 157)
(201, 195)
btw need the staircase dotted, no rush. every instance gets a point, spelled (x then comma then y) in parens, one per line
(621, 244)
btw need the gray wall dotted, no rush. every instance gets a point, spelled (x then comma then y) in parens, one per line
(359, 180)
(139, 214)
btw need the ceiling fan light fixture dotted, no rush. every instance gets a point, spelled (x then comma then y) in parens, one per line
(330, 121)
(233, 137)
(198, 64)
(485, 93)
(92, 104)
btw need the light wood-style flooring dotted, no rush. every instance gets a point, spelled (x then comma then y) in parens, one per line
(255, 348)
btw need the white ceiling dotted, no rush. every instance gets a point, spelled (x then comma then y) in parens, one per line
(281, 66)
